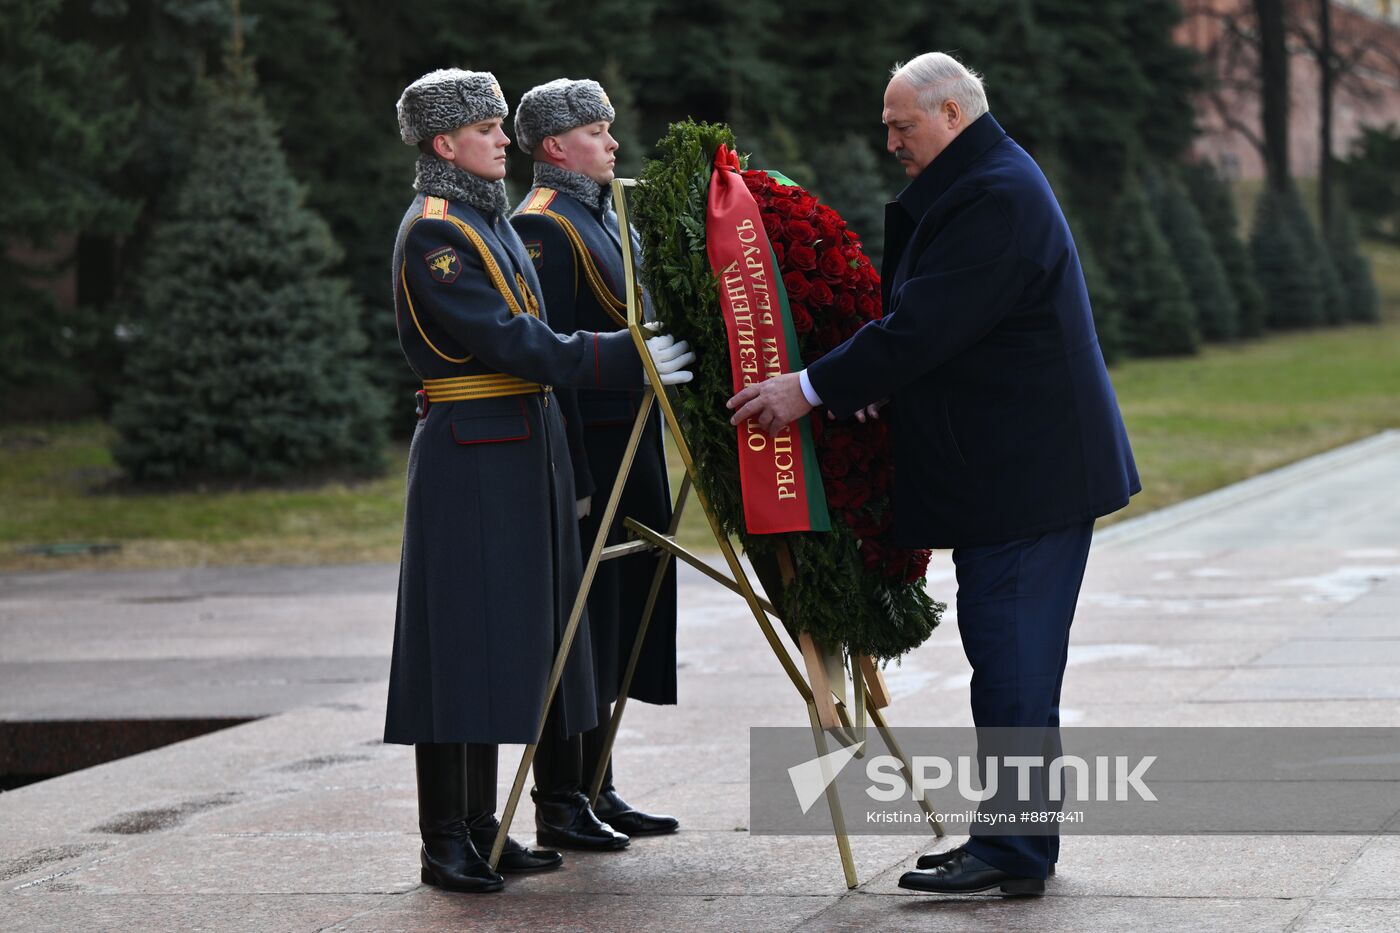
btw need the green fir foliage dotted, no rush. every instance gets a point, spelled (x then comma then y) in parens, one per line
(1215, 203)
(1372, 174)
(1333, 297)
(1103, 297)
(246, 360)
(1216, 310)
(849, 181)
(1158, 317)
(64, 136)
(832, 597)
(1353, 268)
(1292, 296)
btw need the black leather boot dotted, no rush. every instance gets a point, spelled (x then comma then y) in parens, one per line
(609, 807)
(482, 822)
(450, 860)
(562, 815)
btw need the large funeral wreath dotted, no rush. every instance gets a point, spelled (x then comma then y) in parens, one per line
(853, 586)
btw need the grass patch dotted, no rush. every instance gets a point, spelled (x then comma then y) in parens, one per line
(1196, 424)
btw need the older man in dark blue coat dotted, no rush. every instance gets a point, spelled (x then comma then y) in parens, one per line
(1008, 439)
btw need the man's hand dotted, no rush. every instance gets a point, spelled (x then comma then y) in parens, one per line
(583, 506)
(671, 356)
(773, 403)
(871, 411)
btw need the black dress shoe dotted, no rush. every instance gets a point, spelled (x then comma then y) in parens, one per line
(451, 862)
(623, 817)
(515, 858)
(565, 820)
(934, 859)
(967, 874)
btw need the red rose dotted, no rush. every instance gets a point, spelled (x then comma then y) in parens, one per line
(802, 257)
(777, 252)
(918, 566)
(833, 265)
(829, 336)
(819, 293)
(868, 307)
(806, 204)
(786, 209)
(796, 285)
(845, 304)
(828, 224)
(835, 463)
(801, 320)
(836, 495)
(799, 231)
(772, 224)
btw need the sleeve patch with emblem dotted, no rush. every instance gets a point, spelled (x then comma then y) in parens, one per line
(536, 250)
(444, 265)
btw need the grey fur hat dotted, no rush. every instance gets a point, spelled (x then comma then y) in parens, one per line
(557, 107)
(445, 99)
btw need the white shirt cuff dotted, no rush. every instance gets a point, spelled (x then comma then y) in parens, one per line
(810, 393)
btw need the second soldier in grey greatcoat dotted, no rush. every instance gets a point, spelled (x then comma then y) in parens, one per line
(571, 232)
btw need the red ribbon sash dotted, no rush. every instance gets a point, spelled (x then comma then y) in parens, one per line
(773, 471)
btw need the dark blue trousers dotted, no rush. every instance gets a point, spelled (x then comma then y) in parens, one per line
(1015, 605)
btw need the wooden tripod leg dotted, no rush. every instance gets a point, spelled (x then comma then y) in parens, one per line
(833, 802)
(813, 657)
(876, 688)
(663, 562)
(561, 657)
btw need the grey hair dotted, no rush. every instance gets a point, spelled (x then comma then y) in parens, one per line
(938, 76)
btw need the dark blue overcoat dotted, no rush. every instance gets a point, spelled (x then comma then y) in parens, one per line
(1004, 421)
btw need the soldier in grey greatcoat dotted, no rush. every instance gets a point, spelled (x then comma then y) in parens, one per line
(491, 561)
(570, 230)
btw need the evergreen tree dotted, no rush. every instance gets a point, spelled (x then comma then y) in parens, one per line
(1316, 255)
(1372, 177)
(62, 132)
(340, 137)
(849, 180)
(1158, 318)
(1016, 55)
(627, 120)
(1292, 296)
(246, 360)
(1213, 200)
(1363, 301)
(1103, 297)
(1216, 310)
(1131, 87)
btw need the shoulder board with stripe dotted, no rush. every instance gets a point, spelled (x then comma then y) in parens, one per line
(434, 209)
(539, 201)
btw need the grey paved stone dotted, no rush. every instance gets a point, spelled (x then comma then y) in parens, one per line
(1380, 682)
(1352, 915)
(1273, 603)
(1056, 911)
(1374, 873)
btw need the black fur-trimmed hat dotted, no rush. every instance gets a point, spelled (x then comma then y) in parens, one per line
(445, 99)
(557, 107)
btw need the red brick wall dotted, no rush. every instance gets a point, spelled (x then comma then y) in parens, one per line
(1370, 96)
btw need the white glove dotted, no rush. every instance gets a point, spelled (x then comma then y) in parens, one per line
(584, 506)
(670, 356)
